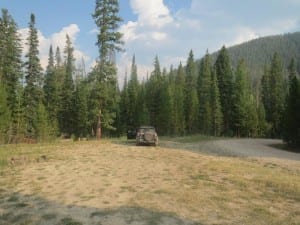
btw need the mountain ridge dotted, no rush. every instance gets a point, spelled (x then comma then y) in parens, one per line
(257, 53)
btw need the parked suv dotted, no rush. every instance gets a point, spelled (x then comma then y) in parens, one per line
(146, 135)
(131, 133)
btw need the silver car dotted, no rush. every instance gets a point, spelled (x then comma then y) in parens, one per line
(146, 135)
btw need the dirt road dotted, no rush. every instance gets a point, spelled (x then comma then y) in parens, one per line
(261, 148)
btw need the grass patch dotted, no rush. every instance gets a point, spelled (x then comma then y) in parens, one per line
(160, 191)
(86, 198)
(21, 205)
(98, 214)
(20, 219)
(69, 221)
(6, 216)
(200, 177)
(128, 188)
(13, 198)
(49, 216)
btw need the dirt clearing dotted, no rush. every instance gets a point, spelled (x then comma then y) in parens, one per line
(119, 183)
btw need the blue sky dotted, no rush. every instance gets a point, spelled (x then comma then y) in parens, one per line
(167, 28)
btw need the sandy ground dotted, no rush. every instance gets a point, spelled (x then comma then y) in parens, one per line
(119, 183)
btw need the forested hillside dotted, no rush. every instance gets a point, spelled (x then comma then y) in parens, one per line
(214, 96)
(258, 52)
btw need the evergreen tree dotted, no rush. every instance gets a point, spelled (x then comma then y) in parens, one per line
(67, 92)
(124, 107)
(4, 115)
(266, 93)
(80, 111)
(292, 115)
(166, 112)
(204, 95)
(143, 115)
(179, 99)
(191, 96)
(44, 131)
(10, 68)
(33, 93)
(58, 60)
(104, 93)
(276, 96)
(244, 108)
(59, 72)
(133, 108)
(154, 98)
(216, 110)
(51, 91)
(225, 82)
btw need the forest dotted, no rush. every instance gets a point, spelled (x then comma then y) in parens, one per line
(216, 95)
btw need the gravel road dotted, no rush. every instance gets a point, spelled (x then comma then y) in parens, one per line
(264, 148)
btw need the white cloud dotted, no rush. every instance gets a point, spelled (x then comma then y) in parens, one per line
(129, 31)
(57, 40)
(159, 36)
(153, 13)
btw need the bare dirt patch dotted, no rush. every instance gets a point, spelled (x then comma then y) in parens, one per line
(111, 183)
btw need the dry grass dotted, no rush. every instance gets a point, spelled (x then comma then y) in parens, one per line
(80, 181)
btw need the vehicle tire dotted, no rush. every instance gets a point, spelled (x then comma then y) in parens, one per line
(148, 136)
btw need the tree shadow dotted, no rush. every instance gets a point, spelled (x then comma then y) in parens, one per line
(285, 147)
(16, 208)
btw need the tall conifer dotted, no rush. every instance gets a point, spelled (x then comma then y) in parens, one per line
(104, 93)
(191, 96)
(225, 82)
(33, 92)
(11, 70)
(67, 92)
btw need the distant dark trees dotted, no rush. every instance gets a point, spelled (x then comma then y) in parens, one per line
(292, 109)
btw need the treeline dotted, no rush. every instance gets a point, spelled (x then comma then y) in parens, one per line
(210, 97)
(214, 99)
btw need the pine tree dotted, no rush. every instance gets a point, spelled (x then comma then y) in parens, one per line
(44, 131)
(80, 111)
(33, 93)
(179, 96)
(216, 110)
(166, 113)
(58, 60)
(154, 98)
(276, 96)
(59, 72)
(51, 91)
(4, 115)
(10, 68)
(104, 93)
(191, 96)
(204, 95)
(292, 115)
(67, 93)
(244, 107)
(143, 115)
(266, 94)
(225, 82)
(132, 97)
(124, 107)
